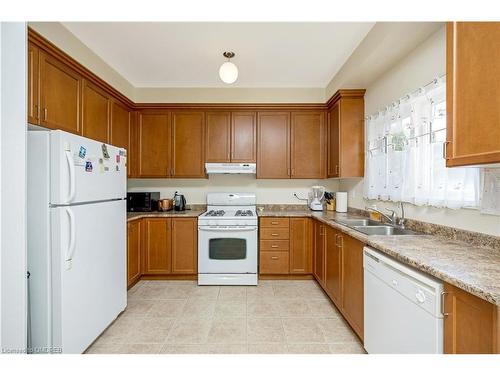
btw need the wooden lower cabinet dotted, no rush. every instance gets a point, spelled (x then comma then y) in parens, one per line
(133, 252)
(161, 247)
(338, 268)
(319, 253)
(300, 246)
(471, 324)
(184, 246)
(352, 282)
(333, 265)
(285, 246)
(157, 246)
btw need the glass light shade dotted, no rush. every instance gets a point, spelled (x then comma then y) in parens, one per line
(228, 72)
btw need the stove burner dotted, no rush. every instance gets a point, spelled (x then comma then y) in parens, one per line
(215, 213)
(244, 213)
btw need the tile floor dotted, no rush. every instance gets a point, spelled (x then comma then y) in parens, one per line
(275, 317)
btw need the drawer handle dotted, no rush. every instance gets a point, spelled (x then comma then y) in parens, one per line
(274, 222)
(274, 246)
(274, 258)
(274, 234)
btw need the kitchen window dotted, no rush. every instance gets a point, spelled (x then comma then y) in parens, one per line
(404, 154)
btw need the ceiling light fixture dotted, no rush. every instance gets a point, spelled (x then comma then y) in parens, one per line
(228, 72)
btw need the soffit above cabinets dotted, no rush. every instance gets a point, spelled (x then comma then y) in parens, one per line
(188, 54)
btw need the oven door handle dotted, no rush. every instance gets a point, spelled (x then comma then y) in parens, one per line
(226, 229)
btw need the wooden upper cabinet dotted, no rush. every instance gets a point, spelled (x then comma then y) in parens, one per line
(333, 265)
(243, 137)
(273, 149)
(333, 168)
(133, 251)
(185, 246)
(300, 246)
(157, 246)
(319, 253)
(154, 142)
(33, 84)
(346, 139)
(472, 92)
(353, 282)
(218, 137)
(120, 134)
(471, 324)
(188, 144)
(60, 90)
(307, 145)
(96, 107)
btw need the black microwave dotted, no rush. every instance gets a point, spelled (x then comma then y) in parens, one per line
(143, 202)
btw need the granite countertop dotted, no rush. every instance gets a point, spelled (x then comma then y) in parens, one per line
(188, 213)
(474, 269)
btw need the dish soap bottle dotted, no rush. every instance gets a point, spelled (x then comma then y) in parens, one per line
(375, 215)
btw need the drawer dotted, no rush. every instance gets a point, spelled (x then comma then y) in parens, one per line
(274, 262)
(274, 234)
(274, 245)
(274, 222)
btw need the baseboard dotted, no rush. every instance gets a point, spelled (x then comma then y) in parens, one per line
(169, 277)
(286, 277)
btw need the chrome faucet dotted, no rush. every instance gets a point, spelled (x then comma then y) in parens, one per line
(393, 219)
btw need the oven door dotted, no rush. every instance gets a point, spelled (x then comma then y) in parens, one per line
(227, 250)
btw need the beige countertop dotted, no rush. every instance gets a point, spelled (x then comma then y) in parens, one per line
(472, 268)
(188, 213)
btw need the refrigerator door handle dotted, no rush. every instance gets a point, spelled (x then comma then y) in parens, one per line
(72, 235)
(71, 166)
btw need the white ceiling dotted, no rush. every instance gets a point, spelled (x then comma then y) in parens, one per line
(167, 54)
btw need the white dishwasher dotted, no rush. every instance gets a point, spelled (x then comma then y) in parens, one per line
(402, 307)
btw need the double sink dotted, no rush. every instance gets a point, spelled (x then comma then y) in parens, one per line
(372, 227)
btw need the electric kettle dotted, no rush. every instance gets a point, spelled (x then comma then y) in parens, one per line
(179, 202)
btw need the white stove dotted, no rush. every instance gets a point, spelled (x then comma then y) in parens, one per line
(227, 240)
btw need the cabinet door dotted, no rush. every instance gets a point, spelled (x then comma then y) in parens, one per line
(307, 145)
(157, 246)
(334, 141)
(120, 131)
(184, 246)
(469, 323)
(319, 253)
(473, 89)
(333, 265)
(300, 246)
(243, 137)
(352, 137)
(95, 112)
(218, 140)
(188, 144)
(133, 252)
(33, 84)
(273, 151)
(154, 144)
(352, 284)
(60, 89)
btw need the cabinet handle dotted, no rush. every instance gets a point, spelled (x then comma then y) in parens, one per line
(274, 246)
(445, 314)
(337, 169)
(274, 234)
(37, 111)
(445, 150)
(293, 172)
(341, 241)
(45, 114)
(274, 222)
(274, 258)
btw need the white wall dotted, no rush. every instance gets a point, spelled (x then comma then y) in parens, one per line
(268, 191)
(419, 67)
(13, 185)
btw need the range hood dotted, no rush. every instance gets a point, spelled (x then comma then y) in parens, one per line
(230, 168)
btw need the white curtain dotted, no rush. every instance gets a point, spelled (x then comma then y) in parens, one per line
(404, 154)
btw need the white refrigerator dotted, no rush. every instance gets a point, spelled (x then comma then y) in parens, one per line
(76, 240)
